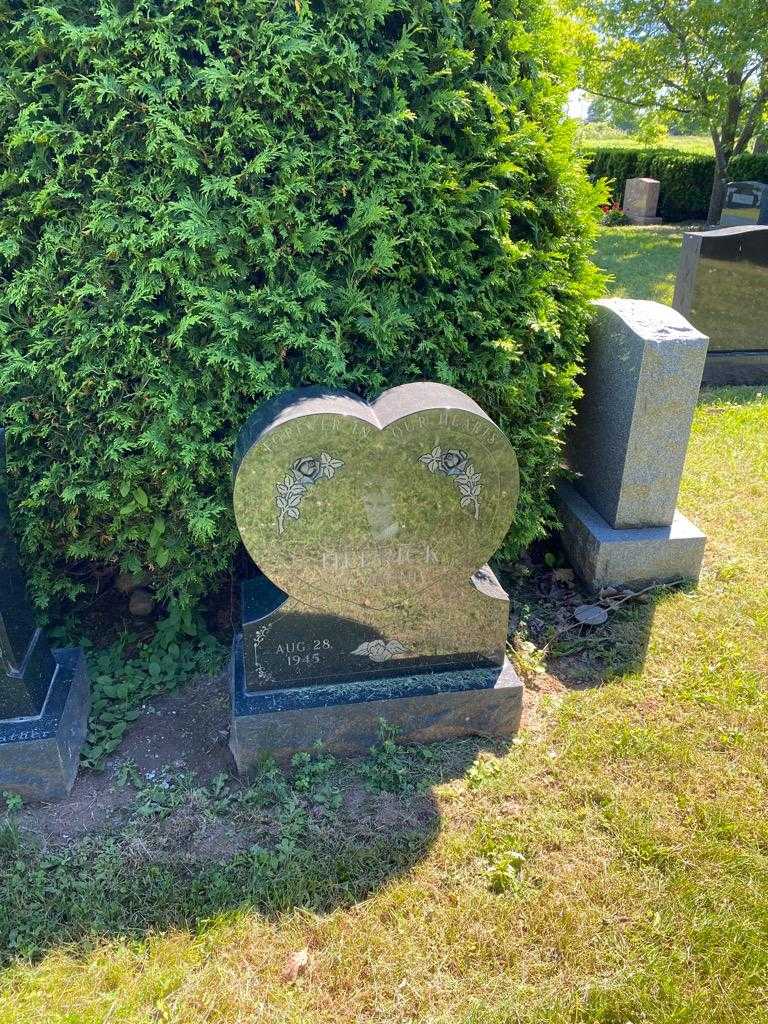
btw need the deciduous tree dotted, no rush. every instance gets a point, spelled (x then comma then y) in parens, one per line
(700, 59)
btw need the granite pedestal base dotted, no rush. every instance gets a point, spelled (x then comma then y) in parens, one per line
(345, 717)
(641, 221)
(736, 368)
(39, 756)
(605, 557)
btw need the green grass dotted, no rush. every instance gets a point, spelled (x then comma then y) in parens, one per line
(611, 866)
(641, 261)
(619, 140)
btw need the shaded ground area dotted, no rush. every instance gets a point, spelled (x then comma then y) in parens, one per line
(174, 767)
(174, 762)
(183, 732)
(166, 834)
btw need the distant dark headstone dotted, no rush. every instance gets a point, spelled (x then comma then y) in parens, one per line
(746, 202)
(722, 288)
(44, 694)
(372, 525)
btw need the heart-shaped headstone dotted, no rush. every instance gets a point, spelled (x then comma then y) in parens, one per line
(343, 503)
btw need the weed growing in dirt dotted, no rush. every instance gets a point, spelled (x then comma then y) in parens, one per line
(482, 769)
(121, 684)
(392, 767)
(311, 772)
(13, 802)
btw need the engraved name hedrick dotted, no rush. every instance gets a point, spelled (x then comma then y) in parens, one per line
(378, 557)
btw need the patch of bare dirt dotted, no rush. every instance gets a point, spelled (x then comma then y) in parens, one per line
(584, 636)
(185, 734)
(185, 731)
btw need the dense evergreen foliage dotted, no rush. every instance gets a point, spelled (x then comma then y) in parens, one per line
(686, 178)
(203, 203)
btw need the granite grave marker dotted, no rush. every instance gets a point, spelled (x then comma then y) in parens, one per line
(641, 199)
(722, 288)
(627, 446)
(44, 693)
(371, 524)
(746, 202)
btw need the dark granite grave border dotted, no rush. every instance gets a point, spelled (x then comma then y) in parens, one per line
(39, 756)
(723, 368)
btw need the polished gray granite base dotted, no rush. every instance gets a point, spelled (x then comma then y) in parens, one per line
(736, 368)
(603, 556)
(345, 718)
(39, 756)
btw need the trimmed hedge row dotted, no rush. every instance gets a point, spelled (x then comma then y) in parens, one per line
(686, 178)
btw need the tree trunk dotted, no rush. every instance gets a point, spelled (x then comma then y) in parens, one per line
(716, 199)
(724, 141)
(761, 146)
(722, 159)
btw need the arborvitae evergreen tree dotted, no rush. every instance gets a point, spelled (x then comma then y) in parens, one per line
(204, 202)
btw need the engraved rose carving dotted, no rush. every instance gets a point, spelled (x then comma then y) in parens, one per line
(258, 639)
(455, 463)
(306, 470)
(304, 473)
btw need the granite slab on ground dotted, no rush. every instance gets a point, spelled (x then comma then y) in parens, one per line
(346, 718)
(604, 556)
(39, 755)
(44, 694)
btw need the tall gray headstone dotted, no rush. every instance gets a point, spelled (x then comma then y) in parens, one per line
(627, 447)
(44, 693)
(722, 288)
(371, 524)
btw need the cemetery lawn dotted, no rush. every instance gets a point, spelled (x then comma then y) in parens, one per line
(611, 865)
(641, 260)
(591, 136)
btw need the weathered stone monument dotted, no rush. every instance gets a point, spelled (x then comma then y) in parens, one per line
(641, 200)
(643, 371)
(722, 288)
(746, 202)
(44, 693)
(372, 524)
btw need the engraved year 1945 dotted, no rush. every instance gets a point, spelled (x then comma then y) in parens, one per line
(304, 652)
